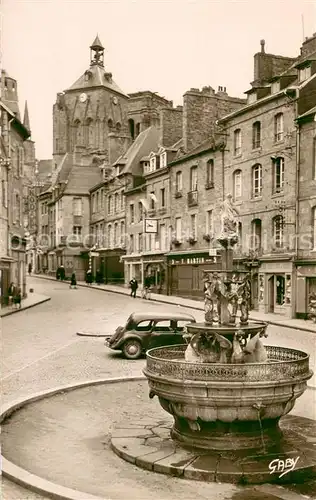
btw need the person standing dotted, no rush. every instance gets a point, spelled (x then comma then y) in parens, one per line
(134, 285)
(11, 293)
(17, 298)
(147, 289)
(62, 273)
(89, 277)
(30, 268)
(73, 281)
(58, 273)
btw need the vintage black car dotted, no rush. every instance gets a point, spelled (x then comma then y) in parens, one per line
(146, 330)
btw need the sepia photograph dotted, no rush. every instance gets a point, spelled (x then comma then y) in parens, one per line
(158, 249)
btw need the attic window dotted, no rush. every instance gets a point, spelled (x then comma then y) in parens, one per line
(87, 75)
(252, 97)
(304, 73)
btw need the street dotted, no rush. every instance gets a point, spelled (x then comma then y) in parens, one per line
(40, 348)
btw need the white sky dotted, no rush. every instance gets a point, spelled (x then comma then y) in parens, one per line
(167, 46)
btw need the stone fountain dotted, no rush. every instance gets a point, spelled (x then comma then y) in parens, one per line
(225, 390)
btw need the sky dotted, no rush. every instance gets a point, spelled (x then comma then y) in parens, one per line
(166, 46)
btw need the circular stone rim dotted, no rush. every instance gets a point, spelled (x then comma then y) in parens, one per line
(175, 460)
(31, 481)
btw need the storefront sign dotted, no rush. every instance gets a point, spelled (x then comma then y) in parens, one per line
(193, 261)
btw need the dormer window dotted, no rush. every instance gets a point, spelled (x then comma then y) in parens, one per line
(117, 169)
(252, 97)
(146, 167)
(275, 87)
(152, 164)
(163, 159)
(304, 73)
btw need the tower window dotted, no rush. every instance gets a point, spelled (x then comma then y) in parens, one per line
(131, 126)
(110, 123)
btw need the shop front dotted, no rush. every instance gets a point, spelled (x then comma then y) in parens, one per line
(150, 265)
(305, 286)
(108, 263)
(275, 287)
(186, 272)
(5, 279)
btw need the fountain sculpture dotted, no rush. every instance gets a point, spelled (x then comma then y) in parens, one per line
(225, 390)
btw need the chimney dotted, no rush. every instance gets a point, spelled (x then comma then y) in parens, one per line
(309, 45)
(266, 66)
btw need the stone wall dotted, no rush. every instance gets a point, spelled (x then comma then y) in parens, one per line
(201, 110)
(170, 126)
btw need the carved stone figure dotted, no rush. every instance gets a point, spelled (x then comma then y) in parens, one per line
(208, 348)
(255, 352)
(229, 222)
(244, 293)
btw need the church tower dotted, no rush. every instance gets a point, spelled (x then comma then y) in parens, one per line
(90, 117)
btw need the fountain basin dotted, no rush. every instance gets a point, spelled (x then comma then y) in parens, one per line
(227, 406)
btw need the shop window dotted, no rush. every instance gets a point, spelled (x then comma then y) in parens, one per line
(280, 289)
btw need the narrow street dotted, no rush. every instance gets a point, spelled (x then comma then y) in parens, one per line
(41, 348)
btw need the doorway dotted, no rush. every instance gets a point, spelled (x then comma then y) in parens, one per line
(271, 294)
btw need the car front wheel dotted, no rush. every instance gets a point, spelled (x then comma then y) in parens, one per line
(132, 349)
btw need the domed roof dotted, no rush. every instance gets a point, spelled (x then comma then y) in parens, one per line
(96, 76)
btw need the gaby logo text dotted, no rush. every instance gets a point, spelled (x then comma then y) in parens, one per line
(283, 466)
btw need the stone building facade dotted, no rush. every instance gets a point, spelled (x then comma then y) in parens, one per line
(306, 213)
(260, 171)
(13, 242)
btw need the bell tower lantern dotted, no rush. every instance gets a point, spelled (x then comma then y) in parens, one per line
(97, 53)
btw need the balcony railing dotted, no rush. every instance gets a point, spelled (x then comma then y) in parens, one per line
(192, 198)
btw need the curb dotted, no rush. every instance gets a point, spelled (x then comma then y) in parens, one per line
(14, 311)
(42, 486)
(35, 483)
(196, 308)
(83, 334)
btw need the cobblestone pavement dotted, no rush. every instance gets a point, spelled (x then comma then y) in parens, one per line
(40, 348)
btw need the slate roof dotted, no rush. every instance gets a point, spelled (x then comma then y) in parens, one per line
(308, 113)
(98, 78)
(97, 43)
(144, 143)
(81, 179)
(45, 167)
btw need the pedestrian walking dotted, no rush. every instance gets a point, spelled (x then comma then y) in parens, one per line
(147, 290)
(30, 268)
(58, 273)
(73, 281)
(134, 285)
(11, 293)
(17, 298)
(62, 273)
(89, 277)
